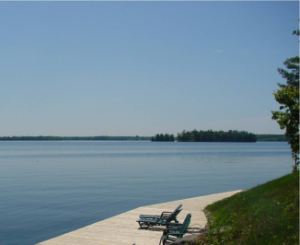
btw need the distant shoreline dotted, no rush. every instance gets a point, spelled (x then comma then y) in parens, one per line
(74, 138)
(260, 138)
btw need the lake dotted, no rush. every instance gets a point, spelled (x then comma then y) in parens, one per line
(51, 187)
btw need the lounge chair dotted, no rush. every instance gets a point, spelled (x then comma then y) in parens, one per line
(174, 231)
(145, 221)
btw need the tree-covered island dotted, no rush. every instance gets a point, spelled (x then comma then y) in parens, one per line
(208, 136)
(216, 136)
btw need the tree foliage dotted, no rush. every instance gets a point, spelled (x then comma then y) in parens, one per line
(288, 97)
(216, 136)
(163, 137)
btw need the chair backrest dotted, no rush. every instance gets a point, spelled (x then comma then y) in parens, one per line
(174, 214)
(186, 223)
(178, 207)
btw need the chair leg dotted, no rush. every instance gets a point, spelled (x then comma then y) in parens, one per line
(161, 239)
(141, 224)
(144, 225)
(165, 240)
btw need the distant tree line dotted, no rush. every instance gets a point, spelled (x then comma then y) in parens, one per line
(216, 136)
(208, 136)
(157, 137)
(163, 137)
(37, 138)
(271, 137)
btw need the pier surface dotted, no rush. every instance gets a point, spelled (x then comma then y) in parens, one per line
(123, 228)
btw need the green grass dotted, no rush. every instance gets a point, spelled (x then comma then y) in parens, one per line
(266, 214)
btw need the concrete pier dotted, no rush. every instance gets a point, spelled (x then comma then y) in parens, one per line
(123, 228)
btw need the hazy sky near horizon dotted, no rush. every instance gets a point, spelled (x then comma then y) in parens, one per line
(139, 68)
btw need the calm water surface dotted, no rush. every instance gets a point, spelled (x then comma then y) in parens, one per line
(52, 187)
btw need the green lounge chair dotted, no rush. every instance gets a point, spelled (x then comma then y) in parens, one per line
(145, 221)
(174, 231)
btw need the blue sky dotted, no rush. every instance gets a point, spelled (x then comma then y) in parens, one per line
(139, 68)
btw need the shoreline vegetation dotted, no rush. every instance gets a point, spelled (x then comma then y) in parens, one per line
(271, 137)
(208, 136)
(157, 137)
(265, 214)
(60, 138)
(216, 136)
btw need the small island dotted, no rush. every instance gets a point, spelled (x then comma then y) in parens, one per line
(216, 136)
(208, 136)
